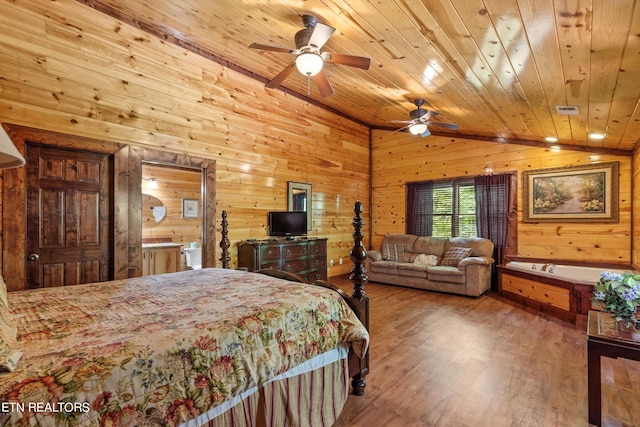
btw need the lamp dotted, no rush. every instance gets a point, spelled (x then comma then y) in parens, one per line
(418, 128)
(153, 182)
(309, 63)
(9, 155)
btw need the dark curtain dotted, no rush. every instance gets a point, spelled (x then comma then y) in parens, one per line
(419, 208)
(492, 209)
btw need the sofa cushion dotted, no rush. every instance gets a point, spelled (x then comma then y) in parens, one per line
(410, 257)
(446, 274)
(393, 252)
(480, 246)
(385, 267)
(412, 270)
(430, 245)
(453, 255)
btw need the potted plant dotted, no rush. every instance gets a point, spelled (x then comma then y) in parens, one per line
(619, 294)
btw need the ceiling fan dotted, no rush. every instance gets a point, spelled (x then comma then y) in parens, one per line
(309, 60)
(420, 118)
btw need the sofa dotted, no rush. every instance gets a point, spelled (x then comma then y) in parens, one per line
(454, 265)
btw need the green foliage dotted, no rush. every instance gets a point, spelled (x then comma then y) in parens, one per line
(618, 294)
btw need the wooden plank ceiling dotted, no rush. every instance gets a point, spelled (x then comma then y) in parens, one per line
(497, 68)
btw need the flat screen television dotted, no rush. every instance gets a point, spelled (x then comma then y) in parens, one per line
(287, 224)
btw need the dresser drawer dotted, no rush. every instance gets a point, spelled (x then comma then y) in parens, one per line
(312, 276)
(317, 248)
(294, 266)
(294, 251)
(317, 262)
(269, 252)
(270, 264)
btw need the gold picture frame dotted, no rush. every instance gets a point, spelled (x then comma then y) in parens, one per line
(584, 193)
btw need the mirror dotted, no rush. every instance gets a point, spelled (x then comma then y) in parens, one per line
(299, 198)
(153, 210)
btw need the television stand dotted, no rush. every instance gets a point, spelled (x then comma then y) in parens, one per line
(305, 257)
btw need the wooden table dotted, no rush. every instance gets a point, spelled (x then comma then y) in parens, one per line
(603, 339)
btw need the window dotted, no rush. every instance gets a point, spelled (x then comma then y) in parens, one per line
(443, 209)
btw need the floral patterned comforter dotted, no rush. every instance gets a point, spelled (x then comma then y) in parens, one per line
(160, 350)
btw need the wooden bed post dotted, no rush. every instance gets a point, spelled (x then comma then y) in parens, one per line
(359, 368)
(358, 254)
(224, 242)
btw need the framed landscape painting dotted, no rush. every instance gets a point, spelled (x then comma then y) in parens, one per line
(585, 193)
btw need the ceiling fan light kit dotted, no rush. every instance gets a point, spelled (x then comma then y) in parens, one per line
(418, 128)
(309, 63)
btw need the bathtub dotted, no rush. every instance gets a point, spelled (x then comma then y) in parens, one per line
(587, 275)
(562, 291)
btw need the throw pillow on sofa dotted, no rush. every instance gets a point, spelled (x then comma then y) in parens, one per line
(426, 259)
(454, 255)
(392, 252)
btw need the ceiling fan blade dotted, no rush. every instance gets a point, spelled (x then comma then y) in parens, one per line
(351, 60)
(429, 114)
(320, 35)
(399, 121)
(324, 87)
(271, 48)
(402, 128)
(451, 126)
(277, 80)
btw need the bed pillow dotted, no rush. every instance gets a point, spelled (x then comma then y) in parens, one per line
(454, 255)
(9, 355)
(392, 252)
(3, 292)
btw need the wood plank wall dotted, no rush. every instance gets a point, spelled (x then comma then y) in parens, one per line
(635, 204)
(400, 158)
(65, 67)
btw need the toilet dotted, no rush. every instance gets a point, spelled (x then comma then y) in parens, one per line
(194, 258)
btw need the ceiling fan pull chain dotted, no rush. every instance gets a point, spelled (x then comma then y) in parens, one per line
(309, 86)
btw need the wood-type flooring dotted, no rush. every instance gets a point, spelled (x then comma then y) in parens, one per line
(447, 360)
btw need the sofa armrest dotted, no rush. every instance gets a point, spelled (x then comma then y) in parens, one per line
(374, 255)
(475, 260)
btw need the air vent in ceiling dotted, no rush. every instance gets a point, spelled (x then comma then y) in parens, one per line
(567, 109)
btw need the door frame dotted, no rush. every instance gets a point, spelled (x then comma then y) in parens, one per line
(127, 201)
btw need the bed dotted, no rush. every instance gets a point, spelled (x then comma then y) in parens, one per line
(203, 347)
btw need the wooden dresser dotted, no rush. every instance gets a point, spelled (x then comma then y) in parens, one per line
(306, 257)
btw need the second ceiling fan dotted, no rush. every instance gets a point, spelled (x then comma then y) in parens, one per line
(309, 59)
(420, 119)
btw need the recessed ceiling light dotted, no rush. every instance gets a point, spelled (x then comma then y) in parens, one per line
(596, 135)
(555, 148)
(550, 139)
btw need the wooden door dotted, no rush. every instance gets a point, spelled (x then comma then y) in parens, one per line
(69, 225)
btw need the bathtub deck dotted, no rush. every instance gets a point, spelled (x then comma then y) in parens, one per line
(560, 298)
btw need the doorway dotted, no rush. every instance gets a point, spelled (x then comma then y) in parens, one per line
(172, 207)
